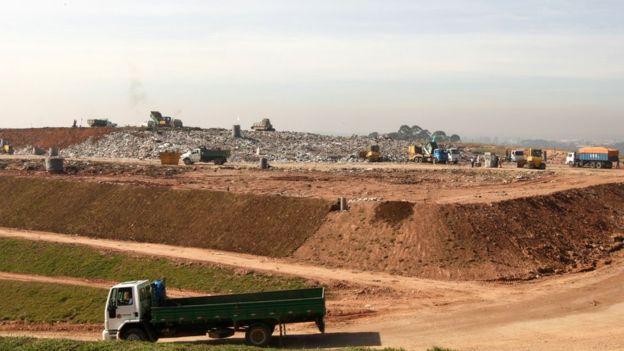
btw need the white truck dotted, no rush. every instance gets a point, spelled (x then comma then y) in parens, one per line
(454, 156)
(140, 310)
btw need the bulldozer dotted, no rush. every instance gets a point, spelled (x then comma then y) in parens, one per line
(371, 154)
(263, 126)
(157, 120)
(6, 147)
(535, 159)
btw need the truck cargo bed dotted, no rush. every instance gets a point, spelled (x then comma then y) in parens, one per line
(278, 306)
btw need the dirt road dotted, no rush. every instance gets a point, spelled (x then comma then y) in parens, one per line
(251, 262)
(89, 283)
(582, 311)
(357, 182)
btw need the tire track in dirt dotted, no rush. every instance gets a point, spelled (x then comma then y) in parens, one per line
(88, 283)
(573, 311)
(251, 262)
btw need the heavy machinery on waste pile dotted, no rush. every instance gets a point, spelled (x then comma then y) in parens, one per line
(263, 126)
(157, 120)
(101, 123)
(430, 152)
(6, 147)
(371, 154)
(140, 310)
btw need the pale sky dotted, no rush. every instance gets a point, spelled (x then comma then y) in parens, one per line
(548, 69)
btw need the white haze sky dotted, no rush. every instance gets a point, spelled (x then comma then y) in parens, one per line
(551, 69)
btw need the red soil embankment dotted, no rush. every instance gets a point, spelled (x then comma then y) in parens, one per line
(255, 224)
(49, 137)
(517, 239)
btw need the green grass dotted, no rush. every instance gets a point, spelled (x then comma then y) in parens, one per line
(30, 344)
(53, 259)
(42, 302)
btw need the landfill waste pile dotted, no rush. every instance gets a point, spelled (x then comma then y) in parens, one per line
(275, 146)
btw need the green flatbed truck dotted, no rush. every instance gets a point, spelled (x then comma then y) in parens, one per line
(140, 310)
(202, 154)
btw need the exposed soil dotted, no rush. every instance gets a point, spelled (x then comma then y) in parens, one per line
(49, 137)
(393, 212)
(264, 225)
(577, 311)
(36, 166)
(517, 239)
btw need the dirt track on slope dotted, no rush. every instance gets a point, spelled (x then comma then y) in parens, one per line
(89, 283)
(232, 259)
(574, 312)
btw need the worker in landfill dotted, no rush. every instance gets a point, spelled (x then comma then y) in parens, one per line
(472, 161)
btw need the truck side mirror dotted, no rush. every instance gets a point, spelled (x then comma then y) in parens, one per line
(112, 311)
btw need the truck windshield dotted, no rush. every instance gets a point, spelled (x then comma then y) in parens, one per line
(536, 153)
(519, 153)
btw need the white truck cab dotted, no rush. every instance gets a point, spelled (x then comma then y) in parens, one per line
(454, 155)
(192, 156)
(570, 158)
(517, 156)
(128, 303)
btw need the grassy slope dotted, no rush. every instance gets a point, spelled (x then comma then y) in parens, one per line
(29, 344)
(51, 259)
(41, 302)
(263, 225)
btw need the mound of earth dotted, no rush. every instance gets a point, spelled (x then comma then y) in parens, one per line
(256, 224)
(516, 239)
(49, 137)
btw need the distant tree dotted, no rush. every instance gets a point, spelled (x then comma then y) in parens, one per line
(424, 135)
(404, 132)
(373, 135)
(440, 135)
(416, 129)
(455, 138)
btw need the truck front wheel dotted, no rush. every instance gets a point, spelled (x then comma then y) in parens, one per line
(135, 334)
(258, 335)
(187, 161)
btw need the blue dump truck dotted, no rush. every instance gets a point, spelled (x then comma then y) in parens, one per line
(594, 157)
(140, 310)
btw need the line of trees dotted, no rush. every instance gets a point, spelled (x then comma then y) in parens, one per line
(416, 133)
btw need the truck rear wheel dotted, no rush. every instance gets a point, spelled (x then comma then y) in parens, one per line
(258, 335)
(135, 334)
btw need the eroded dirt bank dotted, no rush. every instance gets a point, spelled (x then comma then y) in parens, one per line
(523, 238)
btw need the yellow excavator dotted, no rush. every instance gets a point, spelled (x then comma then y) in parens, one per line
(6, 147)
